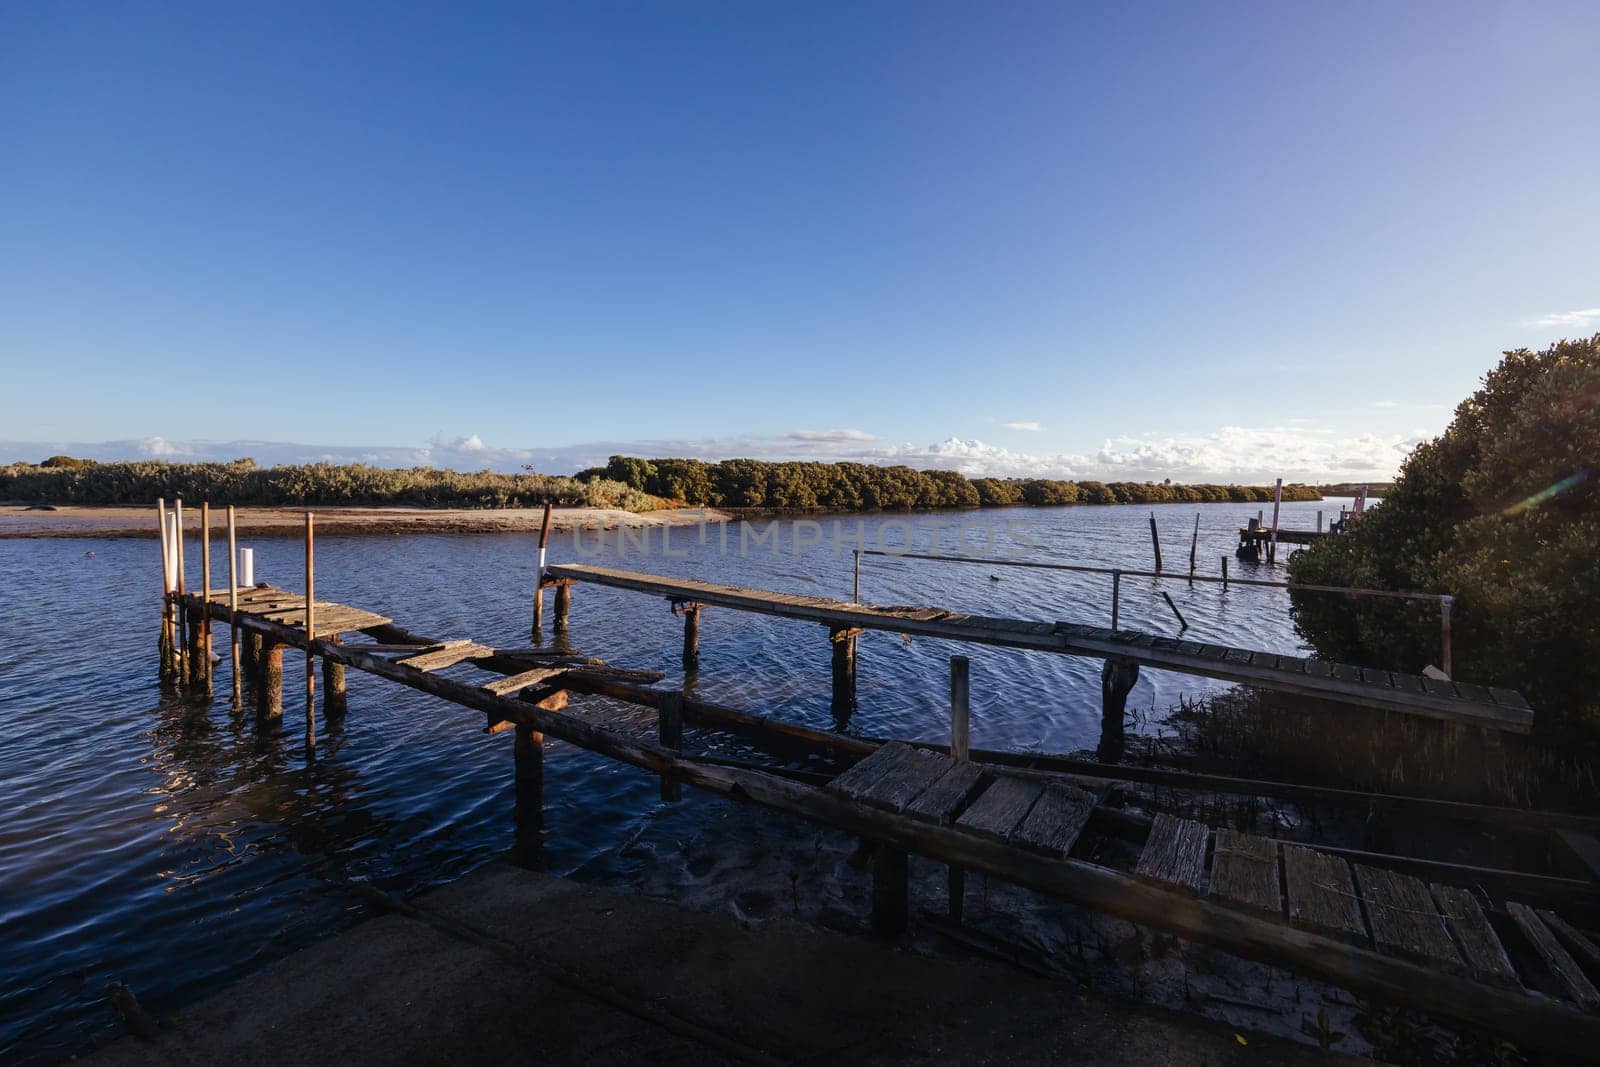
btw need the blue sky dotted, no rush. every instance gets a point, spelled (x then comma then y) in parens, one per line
(1178, 240)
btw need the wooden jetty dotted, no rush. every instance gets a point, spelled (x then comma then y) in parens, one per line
(1124, 652)
(1511, 963)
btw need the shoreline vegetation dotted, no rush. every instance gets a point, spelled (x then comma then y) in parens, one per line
(626, 483)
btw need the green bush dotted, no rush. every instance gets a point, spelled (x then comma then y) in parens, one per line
(1502, 511)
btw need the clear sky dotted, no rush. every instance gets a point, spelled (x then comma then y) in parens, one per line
(1165, 236)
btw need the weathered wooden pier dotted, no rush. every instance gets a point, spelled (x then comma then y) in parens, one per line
(1505, 950)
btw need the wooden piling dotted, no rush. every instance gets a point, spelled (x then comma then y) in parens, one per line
(334, 702)
(252, 656)
(1194, 547)
(1155, 541)
(205, 605)
(691, 637)
(169, 665)
(844, 672)
(890, 891)
(563, 605)
(183, 611)
(1116, 597)
(233, 605)
(1117, 679)
(311, 637)
(528, 813)
(959, 700)
(269, 679)
(1277, 501)
(669, 727)
(1224, 573)
(538, 578)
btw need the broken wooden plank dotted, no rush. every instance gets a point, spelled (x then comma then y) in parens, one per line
(446, 657)
(1556, 958)
(1056, 819)
(1320, 895)
(516, 683)
(1175, 853)
(999, 809)
(1403, 919)
(1480, 946)
(869, 770)
(1244, 873)
(903, 782)
(1576, 940)
(941, 800)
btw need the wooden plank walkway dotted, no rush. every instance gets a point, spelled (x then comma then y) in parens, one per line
(1460, 702)
(280, 606)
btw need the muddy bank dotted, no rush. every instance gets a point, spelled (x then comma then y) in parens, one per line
(510, 965)
(67, 520)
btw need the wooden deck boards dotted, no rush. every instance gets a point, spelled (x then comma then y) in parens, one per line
(853, 782)
(1561, 964)
(1485, 956)
(1320, 895)
(1054, 822)
(999, 809)
(940, 802)
(1403, 919)
(912, 773)
(1175, 853)
(1244, 873)
(1345, 683)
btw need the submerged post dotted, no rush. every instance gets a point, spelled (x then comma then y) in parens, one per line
(855, 589)
(844, 673)
(1155, 541)
(233, 606)
(563, 604)
(334, 701)
(1194, 547)
(269, 678)
(311, 639)
(183, 609)
(669, 726)
(1224, 573)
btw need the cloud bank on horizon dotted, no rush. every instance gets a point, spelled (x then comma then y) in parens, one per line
(1232, 454)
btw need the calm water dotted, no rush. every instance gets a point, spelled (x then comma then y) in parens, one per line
(175, 847)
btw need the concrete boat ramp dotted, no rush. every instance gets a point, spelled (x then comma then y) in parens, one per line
(513, 965)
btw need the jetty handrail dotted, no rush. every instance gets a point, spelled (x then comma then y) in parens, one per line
(1444, 600)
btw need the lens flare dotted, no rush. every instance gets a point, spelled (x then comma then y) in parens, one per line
(1549, 492)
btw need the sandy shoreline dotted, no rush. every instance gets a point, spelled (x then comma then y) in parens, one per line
(67, 520)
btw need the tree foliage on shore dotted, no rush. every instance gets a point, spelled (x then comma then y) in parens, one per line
(320, 484)
(750, 483)
(1502, 511)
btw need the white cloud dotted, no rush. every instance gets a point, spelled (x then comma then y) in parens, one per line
(1230, 454)
(1581, 319)
(1032, 426)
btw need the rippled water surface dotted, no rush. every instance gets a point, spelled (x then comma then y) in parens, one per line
(175, 847)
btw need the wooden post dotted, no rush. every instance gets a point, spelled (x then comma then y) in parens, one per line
(1319, 520)
(691, 638)
(252, 657)
(205, 604)
(538, 578)
(855, 590)
(269, 679)
(669, 725)
(168, 655)
(1194, 547)
(311, 638)
(890, 892)
(334, 702)
(844, 673)
(1444, 633)
(1117, 678)
(1155, 541)
(959, 699)
(1116, 596)
(1224, 573)
(563, 605)
(1277, 500)
(183, 609)
(528, 814)
(233, 605)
